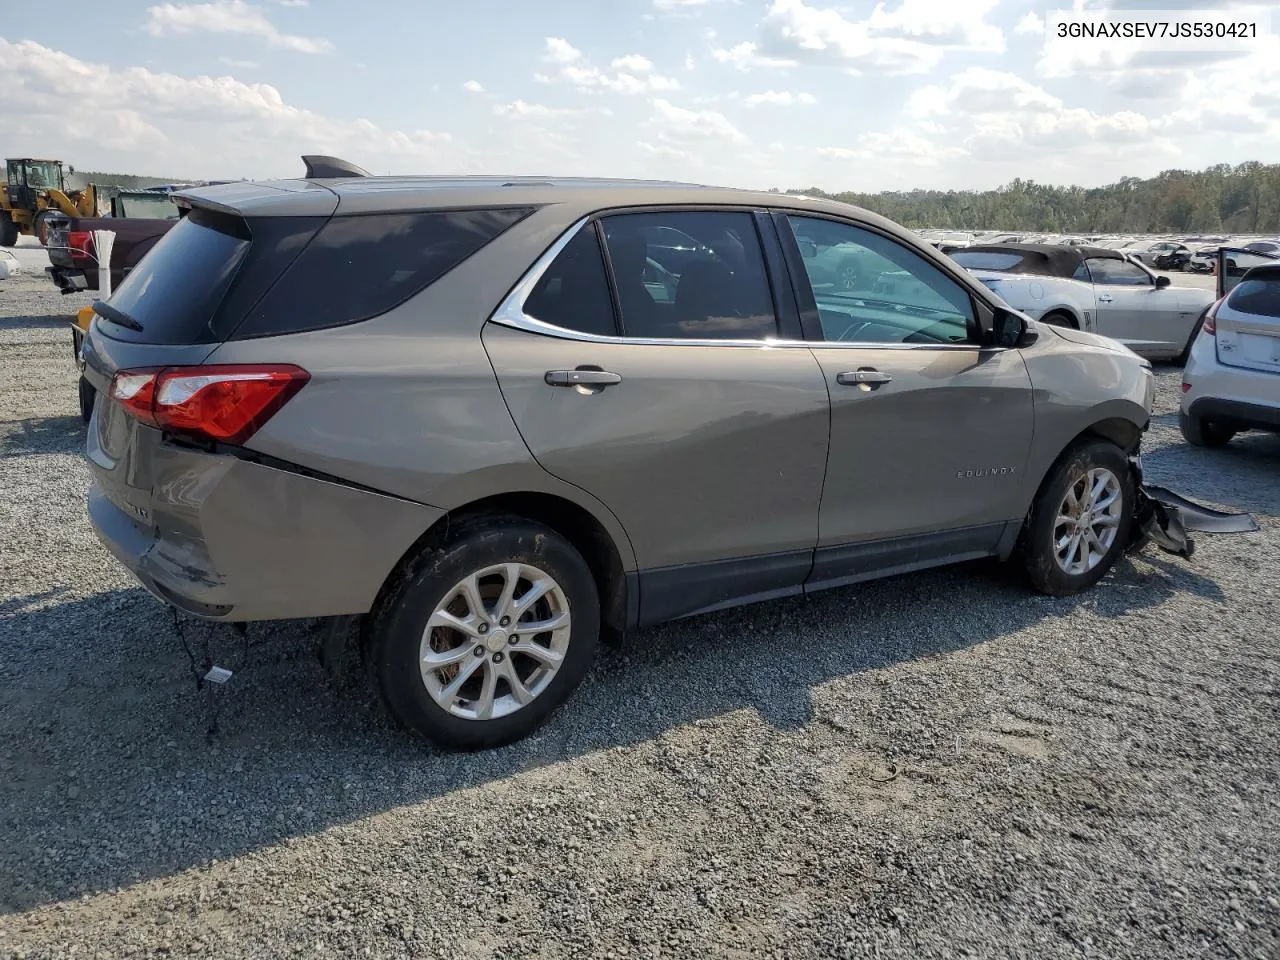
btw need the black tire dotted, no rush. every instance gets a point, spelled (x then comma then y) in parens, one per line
(1204, 433)
(87, 394)
(1039, 552)
(8, 231)
(1059, 318)
(395, 633)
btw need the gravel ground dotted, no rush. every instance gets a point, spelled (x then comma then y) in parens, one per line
(933, 766)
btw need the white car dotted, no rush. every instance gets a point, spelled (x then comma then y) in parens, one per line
(1093, 289)
(1232, 379)
(9, 265)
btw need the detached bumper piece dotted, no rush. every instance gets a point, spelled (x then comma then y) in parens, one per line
(1168, 520)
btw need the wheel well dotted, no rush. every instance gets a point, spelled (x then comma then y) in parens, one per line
(568, 519)
(1125, 434)
(1072, 320)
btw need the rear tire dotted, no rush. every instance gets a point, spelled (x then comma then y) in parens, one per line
(1091, 483)
(428, 618)
(1057, 318)
(8, 231)
(87, 394)
(1203, 433)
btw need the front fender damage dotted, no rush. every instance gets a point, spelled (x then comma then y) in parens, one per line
(1167, 519)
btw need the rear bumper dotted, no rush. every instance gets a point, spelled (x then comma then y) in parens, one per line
(68, 279)
(225, 539)
(1237, 413)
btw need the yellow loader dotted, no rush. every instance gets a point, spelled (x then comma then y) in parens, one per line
(36, 193)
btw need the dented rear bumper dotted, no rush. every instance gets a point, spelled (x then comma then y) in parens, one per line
(1168, 519)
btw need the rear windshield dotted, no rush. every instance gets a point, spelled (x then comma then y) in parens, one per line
(984, 260)
(215, 277)
(1258, 295)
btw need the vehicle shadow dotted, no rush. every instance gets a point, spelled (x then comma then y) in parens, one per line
(22, 438)
(115, 768)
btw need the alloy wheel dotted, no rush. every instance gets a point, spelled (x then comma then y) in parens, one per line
(495, 641)
(1088, 520)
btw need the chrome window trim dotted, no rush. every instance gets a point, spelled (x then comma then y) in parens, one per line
(510, 313)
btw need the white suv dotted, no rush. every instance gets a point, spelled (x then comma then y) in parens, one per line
(1231, 381)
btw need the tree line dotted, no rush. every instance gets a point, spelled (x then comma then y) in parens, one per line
(1221, 199)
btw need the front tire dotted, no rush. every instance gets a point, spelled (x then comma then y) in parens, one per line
(1080, 521)
(8, 231)
(484, 636)
(1204, 433)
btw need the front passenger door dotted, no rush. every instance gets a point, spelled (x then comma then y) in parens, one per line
(930, 432)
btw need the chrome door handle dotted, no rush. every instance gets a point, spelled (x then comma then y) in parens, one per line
(1105, 299)
(864, 377)
(584, 377)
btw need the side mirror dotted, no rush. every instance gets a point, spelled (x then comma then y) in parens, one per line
(1009, 329)
(1162, 282)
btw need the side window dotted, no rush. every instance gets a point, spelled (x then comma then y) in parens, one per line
(691, 275)
(1082, 272)
(1118, 273)
(871, 289)
(574, 292)
(360, 266)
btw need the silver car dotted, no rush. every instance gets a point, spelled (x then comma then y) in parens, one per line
(466, 409)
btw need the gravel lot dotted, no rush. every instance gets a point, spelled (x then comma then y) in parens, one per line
(934, 766)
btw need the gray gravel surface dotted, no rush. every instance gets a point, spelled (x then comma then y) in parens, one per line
(938, 765)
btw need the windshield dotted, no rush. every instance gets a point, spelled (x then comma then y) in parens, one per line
(44, 175)
(148, 206)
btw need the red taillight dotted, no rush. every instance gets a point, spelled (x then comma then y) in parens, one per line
(1211, 318)
(1185, 386)
(227, 403)
(80, 243)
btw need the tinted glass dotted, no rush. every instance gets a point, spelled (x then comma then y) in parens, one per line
(1259, 295)
(985, 260)
(1118, 273)
(696, 275)
(359, 267)
(175, 288)
(1082, 272)
(871, 289)
(574, 292)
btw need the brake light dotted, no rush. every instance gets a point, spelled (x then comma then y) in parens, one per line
(80, 242)
(227, 403)
(1185, 386)
(1211, 318)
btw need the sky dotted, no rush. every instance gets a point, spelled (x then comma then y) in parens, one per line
(866, 96)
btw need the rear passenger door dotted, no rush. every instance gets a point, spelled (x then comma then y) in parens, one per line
(655, 375)
(930, 432)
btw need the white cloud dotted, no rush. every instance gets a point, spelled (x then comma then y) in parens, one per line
(911, 37)
(780, 98)
(576, 70)
(559, 50)
(227, 16)
(473, 86)
(1031, 22)
(678, 125)
(632, 63)
(663, 150)
(295, 3)
(689, 62)
(679, 4)
(538, 111)
(133, 118)
(239, 64)
(895, 147)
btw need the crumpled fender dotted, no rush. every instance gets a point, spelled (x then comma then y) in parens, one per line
(1167, 519)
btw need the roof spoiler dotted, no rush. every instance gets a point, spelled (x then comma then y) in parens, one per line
(323, 168)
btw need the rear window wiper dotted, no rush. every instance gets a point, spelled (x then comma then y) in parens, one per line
(118, 317)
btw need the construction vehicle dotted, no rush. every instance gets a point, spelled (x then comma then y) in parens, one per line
(35, 195)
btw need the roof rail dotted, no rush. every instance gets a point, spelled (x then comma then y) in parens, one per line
(322, 167)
